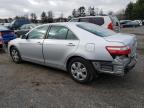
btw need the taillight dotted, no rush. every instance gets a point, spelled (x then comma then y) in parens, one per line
(110, 26)
(118, 50)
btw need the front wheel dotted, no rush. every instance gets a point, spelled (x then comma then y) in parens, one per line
(15, 55)
(81, 70)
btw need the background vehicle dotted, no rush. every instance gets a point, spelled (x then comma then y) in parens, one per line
(1, 42)
(18, 23)
(83, 49)
(131, 24)
(140, 22)
(122, 22)
(110, 22)
(25, 29)
(6, 34)
(6, 24)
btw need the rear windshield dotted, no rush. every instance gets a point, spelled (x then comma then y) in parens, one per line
(95, 29)
(95, 20)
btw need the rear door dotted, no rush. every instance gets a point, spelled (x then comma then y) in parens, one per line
(60, 43)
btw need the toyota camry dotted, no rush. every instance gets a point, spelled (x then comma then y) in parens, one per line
(83, 49)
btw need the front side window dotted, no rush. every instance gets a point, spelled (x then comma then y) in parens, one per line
(57, 32)
(38, 33)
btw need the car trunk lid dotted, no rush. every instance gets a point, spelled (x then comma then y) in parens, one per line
(127, 39)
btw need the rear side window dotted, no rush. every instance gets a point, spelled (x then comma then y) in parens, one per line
(61, 33)
(96, 20)
(57, 32)
(71, 36)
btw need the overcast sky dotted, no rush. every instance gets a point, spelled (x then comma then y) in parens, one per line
(11, 8)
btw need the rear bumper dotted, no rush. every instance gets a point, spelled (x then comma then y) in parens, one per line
(120, 66)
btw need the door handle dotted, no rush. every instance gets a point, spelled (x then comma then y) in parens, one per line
(39, 43)
(71, 44)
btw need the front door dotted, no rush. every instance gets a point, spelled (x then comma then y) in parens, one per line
(31, 46)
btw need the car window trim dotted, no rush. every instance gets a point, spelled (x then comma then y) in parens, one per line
(73, 34)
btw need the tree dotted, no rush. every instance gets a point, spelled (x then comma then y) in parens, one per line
(135, 10)
(50, 17)
(138, 10)
(43, 17)
(69, 18)
(33, 18)
(81, 11)
(96, 11)
(120, 14)
(110, 13)
(74, 13)
(129, 11)
(61, 15)
(101, 12)
(91, 11)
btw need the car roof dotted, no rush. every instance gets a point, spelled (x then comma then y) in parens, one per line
(91, 16)
(64, 23)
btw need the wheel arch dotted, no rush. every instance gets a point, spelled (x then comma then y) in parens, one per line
(12, 47)
(72, 57)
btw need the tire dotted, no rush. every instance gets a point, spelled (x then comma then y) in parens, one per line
(75, 67)
(15, 55)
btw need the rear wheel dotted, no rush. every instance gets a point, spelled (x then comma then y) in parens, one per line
(15, 55)
(81, 70)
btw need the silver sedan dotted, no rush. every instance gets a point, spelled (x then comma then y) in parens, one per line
(82, 49)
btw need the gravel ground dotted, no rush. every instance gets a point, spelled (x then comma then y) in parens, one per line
(29, 85)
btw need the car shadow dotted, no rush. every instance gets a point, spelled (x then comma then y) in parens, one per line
(106, 81)
(55, 70)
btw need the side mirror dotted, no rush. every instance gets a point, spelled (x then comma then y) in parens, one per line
(24, 36)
